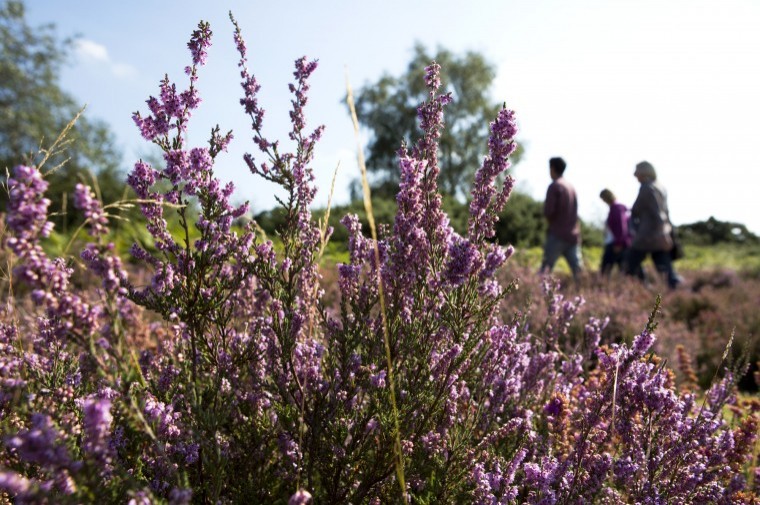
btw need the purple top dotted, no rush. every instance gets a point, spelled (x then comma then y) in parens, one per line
(617, 222)
(561, 210)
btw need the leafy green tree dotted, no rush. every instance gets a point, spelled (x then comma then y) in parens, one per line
(714, 231)
(34, 110)
(522, 222)
(388, 108)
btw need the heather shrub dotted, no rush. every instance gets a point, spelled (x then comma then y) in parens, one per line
(702, 318)
(228, 373)
(722, 304)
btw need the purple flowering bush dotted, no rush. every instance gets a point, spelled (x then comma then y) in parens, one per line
(417, 385)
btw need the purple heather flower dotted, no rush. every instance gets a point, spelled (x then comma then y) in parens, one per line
(371, 425)
(97, 426)
(289, 449)
(304, 69)
(39, 444)
(593, 331)
(177, 166)
(155, 126)
(140, 498)
(179, 496)
(14, 484)
(300, 497)
(307, 363)
(27, 223)
(200, 42)
(220, 142)
(378, 380)
(641, 343)
(487, 203)
(555, 406)
(433, 76)
(171, 105)
(85, 200)
(142, 177)
(464, 262)
(190, 99)
(721, 393)
(250, 103)
(163, 416)
(27, 206)
(495, 258)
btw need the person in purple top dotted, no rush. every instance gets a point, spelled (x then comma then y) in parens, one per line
(617, 238)
(563, 238)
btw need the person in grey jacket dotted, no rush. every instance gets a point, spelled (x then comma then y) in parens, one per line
(652, 233)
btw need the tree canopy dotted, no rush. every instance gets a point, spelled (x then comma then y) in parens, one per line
(388, 108)
(714, 231)
(34, 110)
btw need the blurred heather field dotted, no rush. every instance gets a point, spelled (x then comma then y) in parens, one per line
(166, 346)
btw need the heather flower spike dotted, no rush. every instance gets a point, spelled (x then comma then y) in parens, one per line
(86, 201)
(487, 202)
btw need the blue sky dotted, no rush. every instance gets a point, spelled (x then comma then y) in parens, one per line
(603, 84)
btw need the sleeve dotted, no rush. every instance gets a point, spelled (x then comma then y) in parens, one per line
(617, 225)
(645, 204)
(550, 204)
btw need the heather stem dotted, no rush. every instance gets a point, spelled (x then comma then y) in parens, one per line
(383, 311)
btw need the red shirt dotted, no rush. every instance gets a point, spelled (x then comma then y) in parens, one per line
(561, 210)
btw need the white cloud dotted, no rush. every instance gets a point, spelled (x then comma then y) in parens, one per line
(123, 69)
(87, 49)
(90, 51)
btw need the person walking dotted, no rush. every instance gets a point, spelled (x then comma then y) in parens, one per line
(652, 228)
(617, 238)
(563, 237)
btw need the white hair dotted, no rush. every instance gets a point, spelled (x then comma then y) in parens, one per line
(647, 170)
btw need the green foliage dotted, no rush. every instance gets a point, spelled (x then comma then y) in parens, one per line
(388, 108)
(743, 258)
(34, 109)
(522, 222)
(714, 231)
(384, 210)
(592, 235)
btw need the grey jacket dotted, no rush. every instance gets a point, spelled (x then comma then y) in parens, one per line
(651, 220)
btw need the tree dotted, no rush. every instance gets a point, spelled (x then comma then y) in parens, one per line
(388, 108)
(714, 231)
(522, 222)
(34, 110)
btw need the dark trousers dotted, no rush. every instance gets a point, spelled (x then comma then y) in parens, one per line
(611, 257)
(662, 263)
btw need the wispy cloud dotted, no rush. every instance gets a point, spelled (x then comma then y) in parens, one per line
(90, 51)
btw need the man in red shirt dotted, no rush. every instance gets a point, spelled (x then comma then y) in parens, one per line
(563, 238)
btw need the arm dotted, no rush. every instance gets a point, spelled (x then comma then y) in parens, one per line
(617, 223)
(550, 204)
(646, 203)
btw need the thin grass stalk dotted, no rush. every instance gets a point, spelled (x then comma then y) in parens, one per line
(383, 315)
(57, 145)
(325, 221)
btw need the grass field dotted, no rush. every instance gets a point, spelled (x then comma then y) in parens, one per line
(744, 258)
